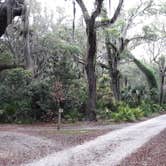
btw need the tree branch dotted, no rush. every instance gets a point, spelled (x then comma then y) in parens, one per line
(102, 65)
(79, 60)
(113, 46)
(84, 10)
(98, 9)
(6, 66)
(137, 38)
(113, 19)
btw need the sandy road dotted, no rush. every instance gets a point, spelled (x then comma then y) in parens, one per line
(106, 150)
(25, 143)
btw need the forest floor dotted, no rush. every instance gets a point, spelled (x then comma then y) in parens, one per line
(153, 153)
(20, 144)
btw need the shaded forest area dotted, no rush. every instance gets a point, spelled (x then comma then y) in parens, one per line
(85, 66)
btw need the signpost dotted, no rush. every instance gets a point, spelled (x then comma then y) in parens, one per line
(59, 118)
(58, 97)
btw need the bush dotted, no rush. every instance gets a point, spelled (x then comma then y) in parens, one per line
(134, 95)
(138, 113)
(104, 94)
(163, 107)
(40, 99)
(15, 111)
(105, 113)
(149, 108)
(13, 99)
(23, 100)
(125, 113)
(73, 116)
(75, 99)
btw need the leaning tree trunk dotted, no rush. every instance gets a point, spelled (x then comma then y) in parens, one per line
(148, 74)
(91, 71)
(150, 77)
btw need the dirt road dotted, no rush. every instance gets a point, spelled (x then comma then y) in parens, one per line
(106, 150)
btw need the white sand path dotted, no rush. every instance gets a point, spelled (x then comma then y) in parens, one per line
(106, 150)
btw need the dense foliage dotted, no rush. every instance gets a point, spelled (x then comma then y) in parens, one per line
(45, 65)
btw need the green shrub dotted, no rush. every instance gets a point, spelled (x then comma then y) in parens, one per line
(134, 95)
(163, 107)
(146, 108)
(125, 113)
(156, 108)
(40, 99)
(138, 113)
(14, 100)
(104, 94)
(73, 116)
(15, 111)
(104, 113)
(149, 108)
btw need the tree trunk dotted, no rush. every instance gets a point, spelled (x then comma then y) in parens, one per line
(115, 81)
(91, 71)
(26, 38)
(114, 73)
(91, 26)
(125, 82)
(161, 100)
(27, 54)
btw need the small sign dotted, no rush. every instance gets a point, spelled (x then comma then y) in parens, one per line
(60, 110)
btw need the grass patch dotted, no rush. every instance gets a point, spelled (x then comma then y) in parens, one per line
(67, 132)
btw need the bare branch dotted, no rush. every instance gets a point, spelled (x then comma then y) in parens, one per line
(79, 60)
(113, 19)
(137, 38)
(113, 46)
(6, 66)
(130, 20)
(138, 11)
(102, 65)
(98, 9)
(84, 10)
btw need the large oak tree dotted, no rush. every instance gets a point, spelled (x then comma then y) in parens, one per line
(91, 27)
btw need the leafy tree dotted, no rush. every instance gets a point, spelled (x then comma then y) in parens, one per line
(91, 25)
(118, 41)
(157, 51)
(6, 60)
(14, 99)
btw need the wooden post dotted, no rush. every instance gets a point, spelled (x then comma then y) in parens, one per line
(59, 118)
